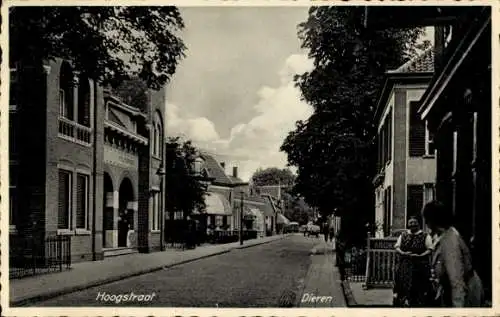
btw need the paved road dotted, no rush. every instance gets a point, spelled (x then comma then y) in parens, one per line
(251, 277)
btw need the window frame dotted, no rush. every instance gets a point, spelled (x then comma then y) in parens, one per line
(62, 103)
(155, 217)
(86, 175)
(69, 212)
(428, 140)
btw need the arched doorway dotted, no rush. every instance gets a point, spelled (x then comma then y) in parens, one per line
(125, 214)
(108, 211)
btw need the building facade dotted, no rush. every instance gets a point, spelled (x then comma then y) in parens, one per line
(83, 163)
(406, 162)
(458, 108)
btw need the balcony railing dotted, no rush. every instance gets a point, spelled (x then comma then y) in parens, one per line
(75, 132)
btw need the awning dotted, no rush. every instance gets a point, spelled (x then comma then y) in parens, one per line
(254, 212)
(217, 204)
(282, 219)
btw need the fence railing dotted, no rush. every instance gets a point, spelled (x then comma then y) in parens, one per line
(31, 256)
(74, 131)
(375, 265)
(356, 260)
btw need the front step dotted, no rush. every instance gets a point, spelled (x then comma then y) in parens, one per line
(119, 251)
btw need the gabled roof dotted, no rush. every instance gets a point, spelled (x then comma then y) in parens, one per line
(264, 204)
(216, 171)
(422, 63)
(417, 70)
(274, 191)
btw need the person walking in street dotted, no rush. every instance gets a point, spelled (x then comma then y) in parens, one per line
(413, 272)
(325, 231)
(456, 283)
(331, 232)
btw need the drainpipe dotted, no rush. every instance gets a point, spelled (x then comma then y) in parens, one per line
(94, 187)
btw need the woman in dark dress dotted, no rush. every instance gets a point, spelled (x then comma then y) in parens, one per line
(413, 271)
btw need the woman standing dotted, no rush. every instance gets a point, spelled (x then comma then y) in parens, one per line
(455, 281)
(413, 272)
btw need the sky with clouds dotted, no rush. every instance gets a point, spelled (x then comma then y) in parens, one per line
(233, 94)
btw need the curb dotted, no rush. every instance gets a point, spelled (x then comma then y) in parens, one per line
(349, 297)
(260, 243)
(72, 289)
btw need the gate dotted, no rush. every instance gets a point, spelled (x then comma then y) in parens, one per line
(381, 262)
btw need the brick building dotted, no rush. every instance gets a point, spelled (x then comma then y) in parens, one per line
(83, 163)
(406, 164)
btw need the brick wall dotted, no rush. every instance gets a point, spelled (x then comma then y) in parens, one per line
(31, 148)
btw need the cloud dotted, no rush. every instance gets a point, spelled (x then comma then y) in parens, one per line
(255, 143)
(198, 129)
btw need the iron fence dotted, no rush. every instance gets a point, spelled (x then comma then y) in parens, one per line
(30, 256)
(374, 265)
(355, 268)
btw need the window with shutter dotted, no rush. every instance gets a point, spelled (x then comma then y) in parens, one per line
(64, 210)
(429, 192)
(379, 152)
(415, 202)
(387, 211)
(84, 102)
(383, 145)
(429, 141)
(82, 198)
(389, 135)
(417, 132)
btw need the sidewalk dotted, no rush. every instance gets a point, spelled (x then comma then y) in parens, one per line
(322, 285)
(94, 273)
(375, 297)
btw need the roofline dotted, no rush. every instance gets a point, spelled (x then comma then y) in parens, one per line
(229, 184)
(390, 80)
(453, 63)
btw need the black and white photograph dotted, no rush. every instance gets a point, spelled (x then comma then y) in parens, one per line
(233, 155)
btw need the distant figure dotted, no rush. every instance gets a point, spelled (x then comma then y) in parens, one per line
(331, 232)
(456, 283)
(413, 272)
(326, 231)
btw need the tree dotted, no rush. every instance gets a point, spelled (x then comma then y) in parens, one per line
(110, 44)
(273, 176)
(183, 192)
(334, 150)
(296, 209)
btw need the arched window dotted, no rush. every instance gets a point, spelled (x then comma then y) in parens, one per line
(83, 115)
(66, 91)
(158, 136)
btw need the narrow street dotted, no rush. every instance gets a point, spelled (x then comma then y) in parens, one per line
(251, 277)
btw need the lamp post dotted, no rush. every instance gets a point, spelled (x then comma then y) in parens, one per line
(241, 218)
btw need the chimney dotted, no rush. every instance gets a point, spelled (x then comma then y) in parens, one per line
(223, 164)
(235, 171)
